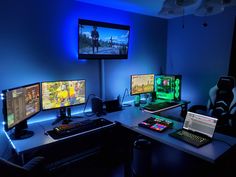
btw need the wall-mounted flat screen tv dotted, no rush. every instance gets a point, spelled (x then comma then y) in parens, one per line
(100, 40)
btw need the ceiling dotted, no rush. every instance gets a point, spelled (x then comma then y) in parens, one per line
(167, 8)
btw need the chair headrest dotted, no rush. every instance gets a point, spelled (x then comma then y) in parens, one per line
(226, 83)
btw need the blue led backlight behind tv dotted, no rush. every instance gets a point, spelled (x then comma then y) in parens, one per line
(99, 40)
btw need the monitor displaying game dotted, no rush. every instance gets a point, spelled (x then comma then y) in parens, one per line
(168, 87)
(100, 40)
(142, 83)
(60, 94)
(19, 104)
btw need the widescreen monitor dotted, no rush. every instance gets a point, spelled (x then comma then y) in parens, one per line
(168, 87)
(60, 94)
(100, 40)
(142, 83)
(19, 104)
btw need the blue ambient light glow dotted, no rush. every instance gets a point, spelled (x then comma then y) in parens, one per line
(48, 118)
(9, 139)
(2, 96)
(70, 30)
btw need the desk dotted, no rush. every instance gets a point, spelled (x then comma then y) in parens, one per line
(42, 140)
(129, 118)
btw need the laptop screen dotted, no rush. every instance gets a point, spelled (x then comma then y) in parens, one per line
(200, 123)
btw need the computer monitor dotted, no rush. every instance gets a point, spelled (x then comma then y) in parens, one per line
(168, 87)
(62, 95)
(19, 104)
(142, 83)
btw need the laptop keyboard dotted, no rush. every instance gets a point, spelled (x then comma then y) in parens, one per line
(190, 138)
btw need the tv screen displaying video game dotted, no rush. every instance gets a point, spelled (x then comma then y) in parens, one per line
(142, 83)
(60, 94)
(99, 40)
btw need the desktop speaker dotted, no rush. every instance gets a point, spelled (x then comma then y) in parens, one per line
(97, 106)
(113, 105)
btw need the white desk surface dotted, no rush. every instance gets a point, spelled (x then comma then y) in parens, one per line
(129, 118)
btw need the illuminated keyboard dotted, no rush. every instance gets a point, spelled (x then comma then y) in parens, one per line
(160, 106)
(81, 127)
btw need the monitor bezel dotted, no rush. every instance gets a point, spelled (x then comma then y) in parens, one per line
(169, 75)
(4, 92)
(142, 92)
(62, 106)
(105, 25)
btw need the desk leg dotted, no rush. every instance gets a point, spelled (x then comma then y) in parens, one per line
(128, 161)
(22, 158)
(128, 158)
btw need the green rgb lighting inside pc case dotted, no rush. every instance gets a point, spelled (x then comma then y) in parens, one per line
(168, 87)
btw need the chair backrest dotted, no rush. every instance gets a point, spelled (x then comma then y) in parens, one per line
(222, 97)
(232, 109)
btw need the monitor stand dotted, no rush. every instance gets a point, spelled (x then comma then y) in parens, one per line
(61, 117)
(138, 101)
(143, 102)
(67, 120)
(69, 116)
(20, 132)
(23, 134)
(65, 116)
